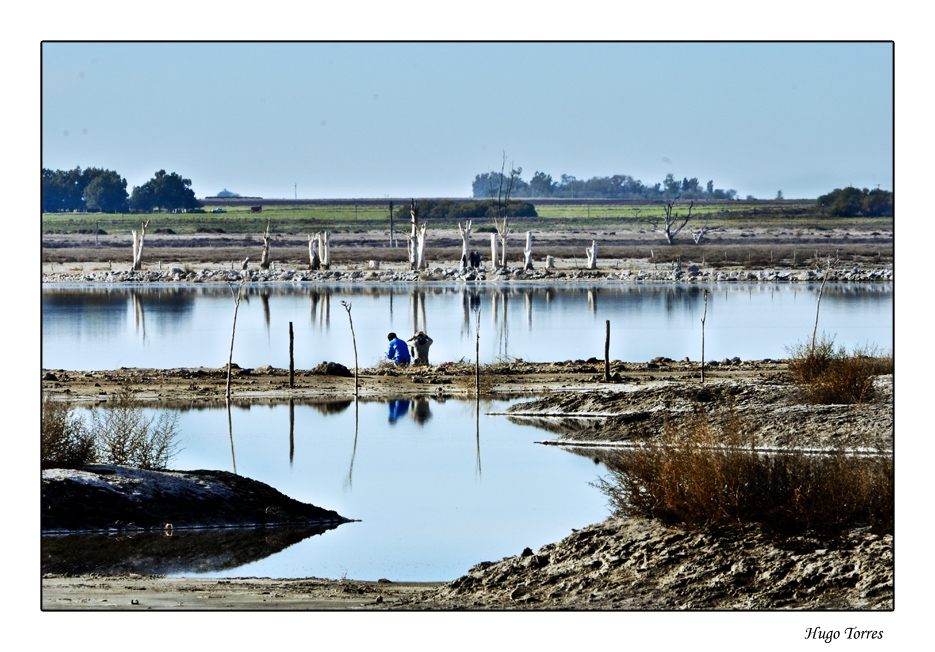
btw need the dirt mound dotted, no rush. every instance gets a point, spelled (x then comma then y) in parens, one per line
(642, 564)
(101, 497)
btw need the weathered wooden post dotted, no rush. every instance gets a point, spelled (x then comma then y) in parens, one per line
(291, 357)
(477, 357)
(607, 352)
(703, 316)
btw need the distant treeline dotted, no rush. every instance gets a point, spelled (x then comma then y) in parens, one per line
(441, 209)
(853, 202)
(98, 190)
(618, 186)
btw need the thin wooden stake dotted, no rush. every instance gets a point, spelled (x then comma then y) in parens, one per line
(230, 356)
(291, 357)
(477, 356)
(347, 307)
(703, 317)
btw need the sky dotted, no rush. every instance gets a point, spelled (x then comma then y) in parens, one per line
(321, 120)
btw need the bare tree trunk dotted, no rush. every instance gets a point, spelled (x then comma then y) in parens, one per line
(138, 246)
(503, 247)
(592, 255)
(528, 251)
(264, 259)
(420, 248)
(314, 262)
(324, 249)
(413, 236)
(818, 304)
(493, 250)
(465, 243)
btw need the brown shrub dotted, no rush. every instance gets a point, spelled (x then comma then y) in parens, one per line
(828, 375)
(697, 477)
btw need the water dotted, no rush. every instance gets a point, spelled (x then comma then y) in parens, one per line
(442, 487)
(439, 489)
(108, 327)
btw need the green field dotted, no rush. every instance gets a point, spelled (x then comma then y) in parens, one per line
(310, 217)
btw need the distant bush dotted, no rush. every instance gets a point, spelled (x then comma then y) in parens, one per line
(697, 478)
(828, 375)
(66, 441)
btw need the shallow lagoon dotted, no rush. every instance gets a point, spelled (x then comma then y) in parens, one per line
(436, 490)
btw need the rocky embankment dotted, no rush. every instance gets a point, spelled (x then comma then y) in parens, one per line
(666, 273)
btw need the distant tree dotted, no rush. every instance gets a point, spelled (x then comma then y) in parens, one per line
(541, 185)
(877, 203)
(80, 190)
(854, 202)
(618, 186)
(227, 193)
(107, 192)
(672, 187)
(170, 192)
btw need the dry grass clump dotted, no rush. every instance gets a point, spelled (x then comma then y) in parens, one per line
(828, 375)
(120, 433)
(699, 477)
(482, 384)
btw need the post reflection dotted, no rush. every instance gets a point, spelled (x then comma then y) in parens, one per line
(349, 481)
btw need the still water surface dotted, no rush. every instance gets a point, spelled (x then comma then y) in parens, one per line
(108, 327)
(442, 486)
(436, 486)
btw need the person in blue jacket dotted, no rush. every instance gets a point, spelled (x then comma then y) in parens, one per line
(398, 351)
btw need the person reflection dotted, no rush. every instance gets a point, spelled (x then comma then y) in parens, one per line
(420, 411)
(398, 408)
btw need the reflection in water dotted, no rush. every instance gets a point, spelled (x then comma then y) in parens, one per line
(291, 431)
(420, 410)
(397, 408)
(264, 299)
(139, 316)
(320, 307)
(184, 551)
(93, 328)
(230, 432)
(348, 484)
(477, 432)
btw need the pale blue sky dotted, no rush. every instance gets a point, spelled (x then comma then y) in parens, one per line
(345, 120)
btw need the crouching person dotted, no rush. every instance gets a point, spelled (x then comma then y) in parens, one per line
(419, 348)
(398, 351)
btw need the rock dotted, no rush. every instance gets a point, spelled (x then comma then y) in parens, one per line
(333, 369)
